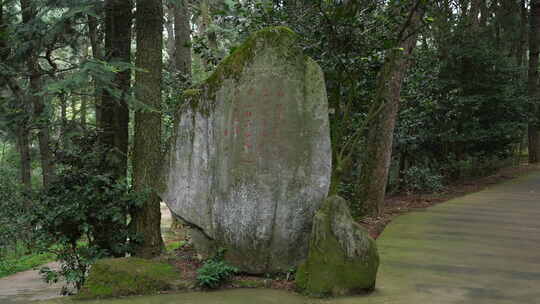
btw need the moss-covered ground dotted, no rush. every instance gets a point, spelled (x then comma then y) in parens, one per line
(128, 276)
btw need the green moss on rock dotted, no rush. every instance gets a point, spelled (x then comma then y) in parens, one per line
(128, 276)
(282, 39)
(342, 258)
(192, 93)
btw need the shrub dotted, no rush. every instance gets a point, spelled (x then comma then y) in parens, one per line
(215, 271)
(82, 216)
(15, 229)
(418, 179)
(72, 216)
(16, 232)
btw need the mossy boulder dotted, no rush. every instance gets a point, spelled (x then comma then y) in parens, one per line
(128, 276)
(342, 259)
(250, 159)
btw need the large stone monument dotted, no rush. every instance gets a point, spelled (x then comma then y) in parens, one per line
(251, 159)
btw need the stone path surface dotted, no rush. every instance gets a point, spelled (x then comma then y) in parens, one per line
(479, 249)
(26, 286)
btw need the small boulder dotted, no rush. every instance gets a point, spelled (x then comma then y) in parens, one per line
(342, 259)
(128, 276)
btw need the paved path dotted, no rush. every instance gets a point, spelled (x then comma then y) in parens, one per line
(481, 248)
(27, 285)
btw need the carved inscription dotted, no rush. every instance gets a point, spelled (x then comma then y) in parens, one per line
(257, 124)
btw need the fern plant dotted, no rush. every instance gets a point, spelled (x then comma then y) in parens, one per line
(215, 272)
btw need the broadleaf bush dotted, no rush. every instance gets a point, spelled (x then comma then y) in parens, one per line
(420, 179)
(83, 215)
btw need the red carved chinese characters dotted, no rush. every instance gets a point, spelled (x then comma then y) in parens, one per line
(256, 125)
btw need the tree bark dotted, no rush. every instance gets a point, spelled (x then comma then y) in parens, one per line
(532, 86)
(22, 133)
(521, 50)
(474, 19)
(206, 21)
(182, 40)
(147, 142)
(23, 146)
(21, 129)
(182, 58)
(169, 27)
(85, 91)
(96, 53)
(84, 104)
(115, 112)
(113, 108)
(376, 161)
(41, 118)
(63, 119)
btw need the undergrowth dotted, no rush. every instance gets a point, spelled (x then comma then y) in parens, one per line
(215, 271)
(17, 259)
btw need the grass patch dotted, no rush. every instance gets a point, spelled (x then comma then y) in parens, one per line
(13, 263)
(17, 258)
(172, 246)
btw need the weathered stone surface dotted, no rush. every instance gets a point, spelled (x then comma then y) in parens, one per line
(343, 258)
(251, 160)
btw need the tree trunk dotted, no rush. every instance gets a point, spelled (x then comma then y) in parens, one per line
(182, 40)
(474, 20)
(21, 128)
(115, 111)
(63, 119)
(521, 52)
(147, 142)
(169, 27)
(182, 57)
(23, 146)
(40, 116)
(532, 86)
(206, 21)
(84, 104)
(22, 133)
(96, 53)
(376, 161)
(85, 91)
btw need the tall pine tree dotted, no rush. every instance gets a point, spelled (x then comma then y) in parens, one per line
(147, 141)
